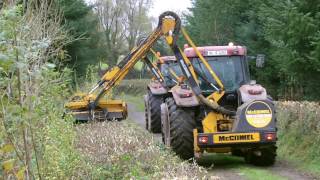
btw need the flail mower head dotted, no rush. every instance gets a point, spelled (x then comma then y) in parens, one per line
(83, 108)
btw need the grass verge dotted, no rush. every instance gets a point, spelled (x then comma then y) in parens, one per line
(228, 163)
(253, 173)
(137, 100)
(122, 150)
(299, 129)
(132, 86)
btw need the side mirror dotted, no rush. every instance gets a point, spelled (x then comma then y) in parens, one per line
(260, 60)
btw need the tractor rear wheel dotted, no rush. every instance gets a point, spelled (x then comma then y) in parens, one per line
(165, 126)
(146, 112)
(263, 157)
(182, 122)
(153, 112)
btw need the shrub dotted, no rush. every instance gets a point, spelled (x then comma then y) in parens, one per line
(35, 141)
(122, 150)
(299, 129)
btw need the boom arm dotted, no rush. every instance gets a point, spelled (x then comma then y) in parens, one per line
(155, 70)
(168, 26)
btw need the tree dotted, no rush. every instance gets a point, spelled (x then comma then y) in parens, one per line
(83, 25)
(213, 22)
(137, 22)
(110, 15)
(122, 22)
(292, 29)
(30, 39)
(268, 27)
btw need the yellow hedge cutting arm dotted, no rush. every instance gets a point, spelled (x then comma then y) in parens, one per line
(92, 105)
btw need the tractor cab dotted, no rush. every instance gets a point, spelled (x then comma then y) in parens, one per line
(170, 69)
(230, 65)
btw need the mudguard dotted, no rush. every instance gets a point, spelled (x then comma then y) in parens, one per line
(250, 92)
(156, 88)
(256, 115)
(184, 97)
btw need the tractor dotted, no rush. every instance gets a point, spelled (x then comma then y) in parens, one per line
(157, 91)
(219, 109)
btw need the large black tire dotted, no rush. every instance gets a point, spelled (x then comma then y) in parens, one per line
(182, 122)
(165, 134)
(266, 158)
(146, 112)
(153, 113)
(165, 125)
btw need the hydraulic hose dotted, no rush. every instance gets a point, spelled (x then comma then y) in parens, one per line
(177, 27)
(215, 106)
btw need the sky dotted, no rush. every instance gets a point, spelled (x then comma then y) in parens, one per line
(159, 6)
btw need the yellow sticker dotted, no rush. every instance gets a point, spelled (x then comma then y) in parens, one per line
(258, 114)
(236, 138)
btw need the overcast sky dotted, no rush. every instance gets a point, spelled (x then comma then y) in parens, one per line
(160, 6)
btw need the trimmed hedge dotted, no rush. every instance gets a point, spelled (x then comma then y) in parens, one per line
(299, 130)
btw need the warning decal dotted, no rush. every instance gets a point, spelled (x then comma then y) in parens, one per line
(258, 114)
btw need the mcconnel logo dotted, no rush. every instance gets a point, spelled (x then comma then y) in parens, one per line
(258, 114)
(236, 138)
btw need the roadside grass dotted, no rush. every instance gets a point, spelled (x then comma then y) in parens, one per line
(137, 100)
(253, 173)
(310, 167)
(132, 91)
(299, 130)
(132, 87)
(313, 167)
(237, 165)
(123, 150)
